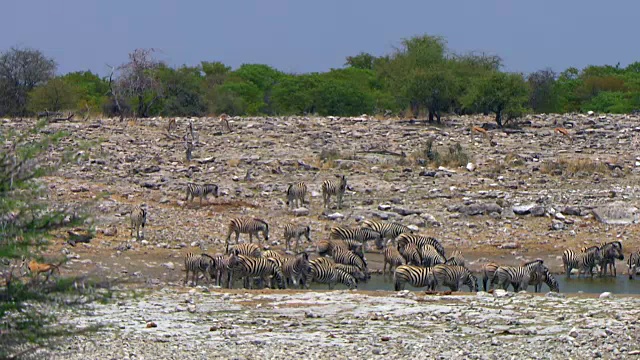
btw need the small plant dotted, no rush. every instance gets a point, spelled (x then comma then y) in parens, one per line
(455, 157)
(578, 167)
(329, 154)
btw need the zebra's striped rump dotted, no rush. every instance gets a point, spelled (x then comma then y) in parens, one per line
(633, 262)
(247, 249)
(392, 257)
(201, 191)
(584, 262)
(388, 230)
(488, 271)
(294, 231)
(430, 256)
(403, 239)
(416, 276)
(196, 264)
(411, 254)
(296, 194)
(262, 268)
(324, 270)
(517, 276)
(253, 227)
(456, 259)
(360, 234)
(348, 257)
(138, 221)
(334, 188)
(454, 277)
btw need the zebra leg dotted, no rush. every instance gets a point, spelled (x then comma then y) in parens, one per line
(339, 196)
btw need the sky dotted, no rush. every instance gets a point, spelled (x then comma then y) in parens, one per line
(299, 36)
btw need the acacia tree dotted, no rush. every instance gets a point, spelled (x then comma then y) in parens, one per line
(500, 93)
(137, 82)
(21, 70)
(542, 98)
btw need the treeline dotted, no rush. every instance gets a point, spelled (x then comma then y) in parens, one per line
(422, 77)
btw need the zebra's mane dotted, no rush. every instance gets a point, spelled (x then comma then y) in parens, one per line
(262, 221)
(533, 262)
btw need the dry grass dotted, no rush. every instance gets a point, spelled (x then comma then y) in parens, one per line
(454, 156)
(576, 167)
(233, 162)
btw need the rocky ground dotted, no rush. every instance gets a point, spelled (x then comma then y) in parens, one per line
(528, 192)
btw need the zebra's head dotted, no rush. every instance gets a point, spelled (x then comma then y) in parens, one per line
(212, 189)
(613, 250)
(472, 282)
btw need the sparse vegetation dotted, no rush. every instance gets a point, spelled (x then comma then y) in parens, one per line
(454, 156)
(574, 167)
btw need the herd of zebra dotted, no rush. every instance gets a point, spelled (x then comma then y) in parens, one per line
(413, 259)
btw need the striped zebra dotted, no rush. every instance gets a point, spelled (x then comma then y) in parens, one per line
(517, 276)
(273, 254)
(296, 194)
(411, 254)
(488, 271)
(582, 261)
(347, 257)
(294, 231)
(247, 249)
(196, 264)
(416, 276)
(247, 226)
(354, 271)
(201, 191)
(610, 252)
(326, 247)
(392, 257)
(360, 234)
(403, 239)
(633, 262)
(430, 256)
(544, 276)
(453, 277)
(249, 267)
(334, 188)
(219, 269)
(296, 269)
(456, 258)
(138, 221)
(324, 271)
(388, 230)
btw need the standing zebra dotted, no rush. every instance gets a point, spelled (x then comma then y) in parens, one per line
(325, 271)
(348, 257)
(517, 276)
(354, 271)
(201, 191)
(581, 261)
(296, 269)
(633, 262)
(248, 267)
(392, 257)
(334, 187)
(416, 276)
(138, 221)
(360, 234)
(295, 231)
(295, 194)
(456, 258)
(430, 256)
(247, 226)
(219, 269)
(411, 254)
(403, 239)
(248, 250)
(488, 271)
(544, 276)
(196, 264)
(453, 277)
(610, 252)
(388, 230)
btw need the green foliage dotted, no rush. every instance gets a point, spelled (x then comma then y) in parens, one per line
(91, 90)
(543, 97)
(57, 94)
(183, 91)
(361, 61)
(499, 93)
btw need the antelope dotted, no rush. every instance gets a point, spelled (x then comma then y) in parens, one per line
(564, 132)
(485, 133)
(171, 125)
(225, 122)
(39, 268)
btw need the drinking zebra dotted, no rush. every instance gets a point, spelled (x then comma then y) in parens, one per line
(138, 221)
(582, 261)
(430, 256)
(634, 263)
(388, 230)
(294, 231)
(334, 188)
(201, 191)
(544, 276)
(323, 270)
(416, 276)
(348, 257)
(517, 276)
(296, 269)
(248, 267)
(296, 194)
(456, 258)
(453, 277)
(411, 254)
(196, 264)
(247, 226)
(326, 247)
(360, 234)
(488, 271)
(392, 257)
(354, 271)
(403, 239)
(219, 269)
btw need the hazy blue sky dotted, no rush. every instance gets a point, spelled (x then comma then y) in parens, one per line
(302, 36)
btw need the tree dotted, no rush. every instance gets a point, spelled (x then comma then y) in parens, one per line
(499, 92)
(264, 78)
(183, 91)
(542, 98)
(92, 90)
(21, 70)
(136, 82)
(361, 61)
(27, 306)
(57, 94)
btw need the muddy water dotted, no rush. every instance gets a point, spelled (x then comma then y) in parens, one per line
(618, 285)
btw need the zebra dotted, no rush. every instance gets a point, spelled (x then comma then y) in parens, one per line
(388, 230)
(392, 257)
(581, 261)
(219, 269)
(537, 278)
(247, 226)
(334, 187)
(416, 276)
(138, 221)
(633, 262)
(196, 264)
(517, 276)
(411, 254)
(453, 277)
(610, 252)
(348, 257)
(296, 194)
(488, 271)
(295, 269)
(274, 255)
(354, 271)
(361, 234)
(326, 247)
(324, 271)
(248, 250)
(201, 191)
(294, 231)
(456, 258)
(403, 239)
(248, 266)
(430, 256)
